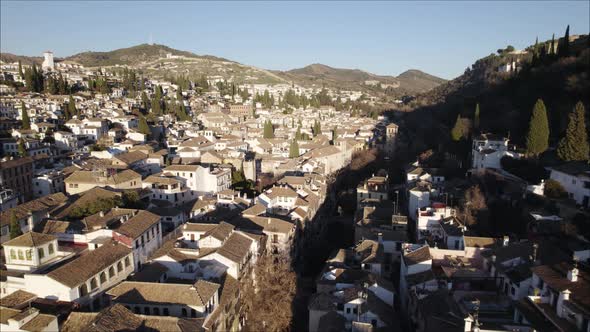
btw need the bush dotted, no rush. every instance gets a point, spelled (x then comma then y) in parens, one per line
(554, 189)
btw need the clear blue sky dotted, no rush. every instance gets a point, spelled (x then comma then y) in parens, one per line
(441, 38)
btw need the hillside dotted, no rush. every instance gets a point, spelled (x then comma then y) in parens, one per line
(410, 82)
(506, 99)
(25, 60)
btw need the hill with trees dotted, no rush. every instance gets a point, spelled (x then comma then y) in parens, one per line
(505, 98)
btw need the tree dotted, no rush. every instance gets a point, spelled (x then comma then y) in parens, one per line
(574, 145)
(145, 101)
(317, 128)
(268, 130)
(554, 189)
(20, 69)
(26, 122)
(268, 293)
(476, 117)
(294, 149)
(15, 230)
(537, 138)
(72, 107)
(458, 130)
(564, 46)
(143, 126)
(131, 200)
(22, 150)
(474, 202)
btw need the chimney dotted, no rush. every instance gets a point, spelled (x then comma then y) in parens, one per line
(101, 214)
(566, 295)
(380, 237)
(572, 275)
(505, 241)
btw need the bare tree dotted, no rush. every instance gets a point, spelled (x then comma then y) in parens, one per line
(474, 202)
(268, 292)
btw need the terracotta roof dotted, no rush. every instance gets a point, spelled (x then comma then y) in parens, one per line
(90, 177)
(111, 319)
(221, 231)
(235, 248)
(138, 224)
(131, 157)
(151, 272)
(17, 298)
(133, 292)
(555, 276)
(418, 256)
(45, 203)
(30, 239)
(89, 264)
(480, 242)
(254, 210)
(39, 323)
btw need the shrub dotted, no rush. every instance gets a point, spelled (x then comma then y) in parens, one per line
(554, 189)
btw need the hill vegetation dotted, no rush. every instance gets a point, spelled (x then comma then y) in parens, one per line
(506, 99)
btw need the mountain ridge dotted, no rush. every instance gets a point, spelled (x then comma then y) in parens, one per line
(409, 82)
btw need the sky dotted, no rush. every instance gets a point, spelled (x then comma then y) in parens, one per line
(387, 38)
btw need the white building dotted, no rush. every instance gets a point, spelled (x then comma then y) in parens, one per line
(487, 151)
(575, 179)
(48, 61)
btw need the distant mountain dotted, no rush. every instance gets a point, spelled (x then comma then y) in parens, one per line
(411, 81)
(132, 56)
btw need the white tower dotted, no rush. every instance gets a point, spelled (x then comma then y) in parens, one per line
(48, 62)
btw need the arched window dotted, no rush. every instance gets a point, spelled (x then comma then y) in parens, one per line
(83, 290)
(146, 310)
(193, 313)
(93, 283)
(184, 312)
(103, 277)
(157, 311)
(119, 267)
(20, 255)
(29, 254)
(111, 272)
(166, 312)
(137, 310)
(127, 263)
(12, 254)
(51, 250)
(41, 253)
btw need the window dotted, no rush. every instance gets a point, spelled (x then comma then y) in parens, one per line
(29, 254)
(12, 254)
(146, 310)
(137, 310)
(166, 313)
(184, 312)
(83, 290)
(119, 267)
(103, 277)
(20, 255)
(41, 253)
(157, 311)
(127, 263)
(51, 250)
(354, 310)
(347, 310)
(193, 313)
(111, 272)
(93, 283)
(512, 291)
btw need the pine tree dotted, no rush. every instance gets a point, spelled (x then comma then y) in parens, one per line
(294, 149)
(537, 138)
(20, 70)
(574, 145)
(15, 230)
(458, 130)
(476, 117)
(143, 126)
(26, 122)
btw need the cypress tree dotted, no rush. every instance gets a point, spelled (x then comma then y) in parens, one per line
(458, 130)
(15, 230)
(476, 117)
(574, 145)
(143, 126)
(20, 70)
(22, 150)
(72, 107)
(268, 129)
(26, 122)
(537, 138)
(552, 46)
(564, 46)
(145, 101)
(294, 149)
